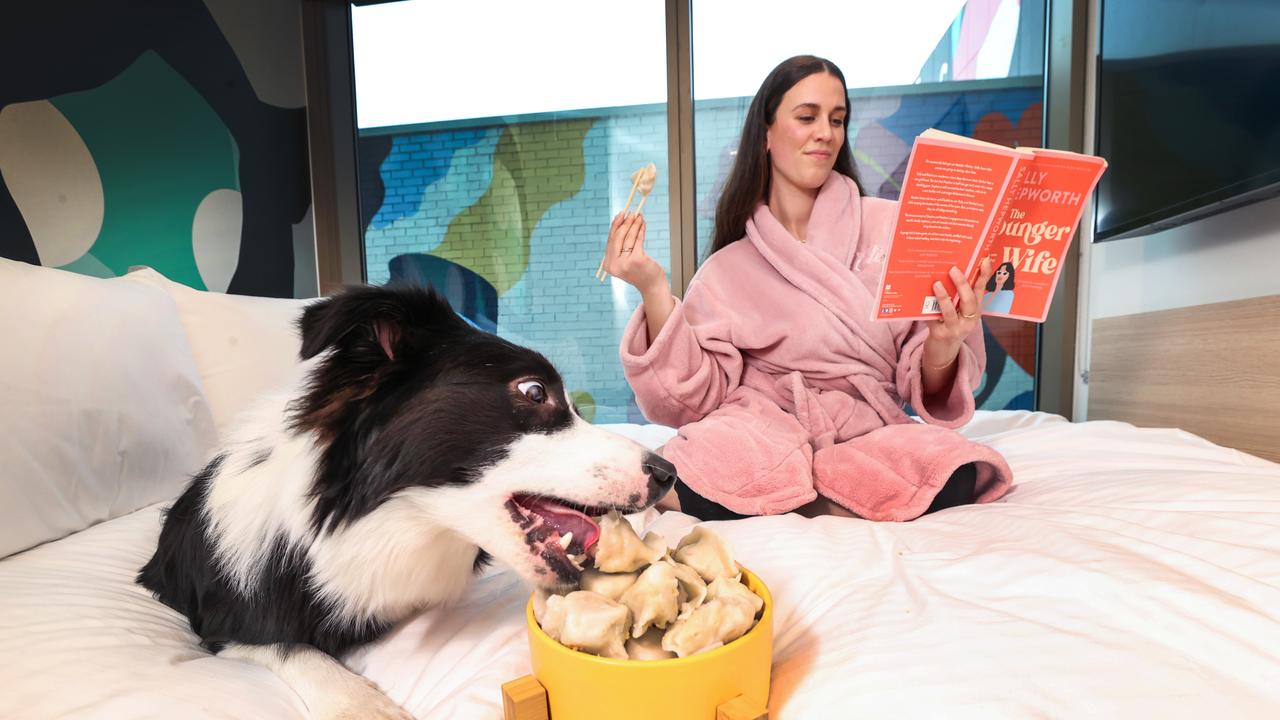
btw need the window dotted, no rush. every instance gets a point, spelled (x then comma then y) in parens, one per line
(493, 157)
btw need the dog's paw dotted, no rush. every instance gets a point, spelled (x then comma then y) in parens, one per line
(362, 700)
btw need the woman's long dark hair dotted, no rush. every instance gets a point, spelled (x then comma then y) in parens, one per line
(748, 183)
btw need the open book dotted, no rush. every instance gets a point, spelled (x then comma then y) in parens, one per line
(965, 199)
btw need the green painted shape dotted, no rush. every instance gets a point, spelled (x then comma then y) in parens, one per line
(160, 149)
(586, 404)
(535, 166)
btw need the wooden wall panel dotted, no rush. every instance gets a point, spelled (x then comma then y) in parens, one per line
(1213, 370)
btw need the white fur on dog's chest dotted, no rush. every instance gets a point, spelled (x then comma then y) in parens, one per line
(387, 564)
(391, 562)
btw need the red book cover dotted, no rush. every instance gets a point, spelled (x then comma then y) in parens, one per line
(1029, 241)
(964, 199)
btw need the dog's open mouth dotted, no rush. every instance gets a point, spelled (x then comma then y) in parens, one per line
(560, 532)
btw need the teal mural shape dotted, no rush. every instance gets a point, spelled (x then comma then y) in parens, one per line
(160, 150)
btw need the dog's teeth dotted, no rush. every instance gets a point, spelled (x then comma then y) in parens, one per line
(565, 539)
(576, 562)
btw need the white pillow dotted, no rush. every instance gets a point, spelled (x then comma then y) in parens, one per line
(101, 408)
(243, 346)
(650, 436)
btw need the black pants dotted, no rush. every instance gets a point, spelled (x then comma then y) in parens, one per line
(959, 490)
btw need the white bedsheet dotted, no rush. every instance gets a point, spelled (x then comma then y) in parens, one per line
(1129, 573)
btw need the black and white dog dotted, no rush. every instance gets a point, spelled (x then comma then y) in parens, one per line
(409, 449)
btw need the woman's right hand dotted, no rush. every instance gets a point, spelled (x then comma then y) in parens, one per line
(625, 258)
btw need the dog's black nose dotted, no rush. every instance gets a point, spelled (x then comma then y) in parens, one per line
(662, 475)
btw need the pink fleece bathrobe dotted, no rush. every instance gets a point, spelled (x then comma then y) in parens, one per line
(783, 388)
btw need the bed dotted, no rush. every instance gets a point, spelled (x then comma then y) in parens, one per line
(1129, 573)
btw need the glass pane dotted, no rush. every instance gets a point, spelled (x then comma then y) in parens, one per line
(496, 179)
(971, 68)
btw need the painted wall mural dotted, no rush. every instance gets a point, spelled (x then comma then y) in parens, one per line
(167, 133)
(535, 166)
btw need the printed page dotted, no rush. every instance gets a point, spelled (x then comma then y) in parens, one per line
(949, 196)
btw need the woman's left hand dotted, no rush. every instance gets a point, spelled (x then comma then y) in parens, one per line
(948, 332)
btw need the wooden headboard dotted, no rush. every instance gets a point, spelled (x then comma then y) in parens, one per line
(1213, 370)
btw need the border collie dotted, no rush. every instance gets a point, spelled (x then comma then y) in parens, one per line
(410, 449)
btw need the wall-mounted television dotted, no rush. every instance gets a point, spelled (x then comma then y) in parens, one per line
(1188, 111)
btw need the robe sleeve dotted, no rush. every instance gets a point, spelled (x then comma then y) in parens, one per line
(687, 371)
(950, 407)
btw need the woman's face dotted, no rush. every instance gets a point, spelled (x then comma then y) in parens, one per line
(807, 132)
(1002, 275)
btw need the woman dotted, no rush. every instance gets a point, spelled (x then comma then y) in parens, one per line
(787, 397)
(999, 297)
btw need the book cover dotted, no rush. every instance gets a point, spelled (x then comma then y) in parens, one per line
(964, 199)
(1028, 242)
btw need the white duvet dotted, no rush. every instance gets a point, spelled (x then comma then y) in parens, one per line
(1129, 573)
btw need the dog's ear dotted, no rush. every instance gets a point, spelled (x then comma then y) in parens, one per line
(374, 324)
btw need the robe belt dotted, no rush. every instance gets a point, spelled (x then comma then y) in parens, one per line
(831, 416)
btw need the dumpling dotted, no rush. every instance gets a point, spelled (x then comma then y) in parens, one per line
(648, 647)
(540, 598)
(710, 625)
(610, 585)
(644, 601)
(708, 553)
(657, 544)
(693, 590)
(731, 590)
(588, 622)
(619, 549)
(645, 177)
(549, 611)
(654, 599)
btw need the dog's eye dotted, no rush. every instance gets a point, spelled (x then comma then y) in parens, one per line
(533, 390)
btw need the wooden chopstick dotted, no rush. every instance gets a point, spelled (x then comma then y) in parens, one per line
(601, 275)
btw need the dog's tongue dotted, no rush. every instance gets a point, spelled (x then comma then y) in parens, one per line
(566, 520)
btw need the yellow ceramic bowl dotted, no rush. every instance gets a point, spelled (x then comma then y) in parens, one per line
(586, 687)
